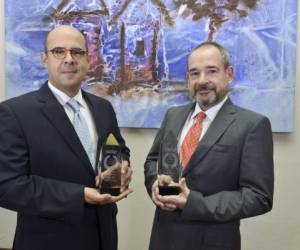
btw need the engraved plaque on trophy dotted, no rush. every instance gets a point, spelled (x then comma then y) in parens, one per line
(110, 167)
(169, 170)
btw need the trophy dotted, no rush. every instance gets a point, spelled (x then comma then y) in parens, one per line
(110, 167)
(168, 168)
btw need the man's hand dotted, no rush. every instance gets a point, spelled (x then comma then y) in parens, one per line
(126, 173)
(163, 180)
(171, 202)
(155, 195)
(92, 196)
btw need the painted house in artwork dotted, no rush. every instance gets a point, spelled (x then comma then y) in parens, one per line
(90, 19)
(124, 40)
(137, 32)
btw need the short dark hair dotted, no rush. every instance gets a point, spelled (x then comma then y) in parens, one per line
(224, 53)
(45, 41)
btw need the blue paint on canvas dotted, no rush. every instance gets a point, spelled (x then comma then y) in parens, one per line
(138, 51)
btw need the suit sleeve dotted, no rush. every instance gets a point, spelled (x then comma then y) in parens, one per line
(255, 193)
(30, 194)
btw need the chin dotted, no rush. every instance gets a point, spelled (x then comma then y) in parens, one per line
(206, 102)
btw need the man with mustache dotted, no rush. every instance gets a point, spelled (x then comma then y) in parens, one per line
(48, 166)
(226, 154)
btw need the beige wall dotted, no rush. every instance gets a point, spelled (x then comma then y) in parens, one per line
(278, 230)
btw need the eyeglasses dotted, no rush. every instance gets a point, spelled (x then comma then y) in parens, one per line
(208, 73)
(61, 53)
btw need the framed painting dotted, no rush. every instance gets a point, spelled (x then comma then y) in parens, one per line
(138, 51)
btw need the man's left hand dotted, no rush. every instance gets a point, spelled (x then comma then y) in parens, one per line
(176, 201)
(126, 173)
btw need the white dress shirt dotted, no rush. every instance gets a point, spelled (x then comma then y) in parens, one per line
(84, 109)
(211, 113)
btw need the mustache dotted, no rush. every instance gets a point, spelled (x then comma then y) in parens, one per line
(203, 87)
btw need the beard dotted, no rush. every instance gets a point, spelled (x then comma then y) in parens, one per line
(206, 103)
(213, 98)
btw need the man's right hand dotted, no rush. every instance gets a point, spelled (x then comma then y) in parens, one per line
(92, 196)
(156, 197)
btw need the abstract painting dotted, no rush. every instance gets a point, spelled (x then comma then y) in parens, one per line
(138, 51)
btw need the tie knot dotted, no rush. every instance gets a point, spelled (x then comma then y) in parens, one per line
(201, 116)
(74, 105)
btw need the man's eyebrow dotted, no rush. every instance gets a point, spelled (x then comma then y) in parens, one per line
(211, 67)
(206, 67)
(193, 69)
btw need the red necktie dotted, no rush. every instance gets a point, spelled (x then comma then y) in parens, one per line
(191, 140)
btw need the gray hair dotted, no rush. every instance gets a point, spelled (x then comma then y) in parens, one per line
(224, 53)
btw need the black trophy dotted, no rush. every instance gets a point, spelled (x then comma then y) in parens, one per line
(110, 167)
(169, 170)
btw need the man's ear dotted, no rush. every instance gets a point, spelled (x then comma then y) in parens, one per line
(230, 73)
(187, 79)
(89, 61)
(44, 58)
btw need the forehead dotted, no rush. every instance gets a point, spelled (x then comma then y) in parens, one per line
(65, 37)
(206, 56)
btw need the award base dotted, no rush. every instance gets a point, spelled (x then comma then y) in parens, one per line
(111, 191)
(169, 190)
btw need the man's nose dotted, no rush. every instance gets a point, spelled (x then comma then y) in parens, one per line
(202, 78)
(68, 58)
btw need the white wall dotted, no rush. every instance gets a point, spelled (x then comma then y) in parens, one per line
(278, 230)
(7, 218)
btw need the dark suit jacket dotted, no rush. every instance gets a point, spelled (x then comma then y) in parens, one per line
(230, 176)
(43, 172)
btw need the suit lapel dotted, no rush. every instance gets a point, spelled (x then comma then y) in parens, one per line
(57, 116)
(98, 119)
(180, 118)
(223, 120)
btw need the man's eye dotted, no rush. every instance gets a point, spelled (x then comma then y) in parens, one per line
(194, 73)
(212, 71)
(58, 51)
(78, 52)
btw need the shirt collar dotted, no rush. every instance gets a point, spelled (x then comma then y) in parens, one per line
(211, 112)
(63, 98)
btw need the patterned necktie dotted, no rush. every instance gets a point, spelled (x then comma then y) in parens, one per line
(82, 130)
(191, 140)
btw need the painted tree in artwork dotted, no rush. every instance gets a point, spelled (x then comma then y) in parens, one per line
(160, 5)
(164, 12)
(216, 11)
(67, 11)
